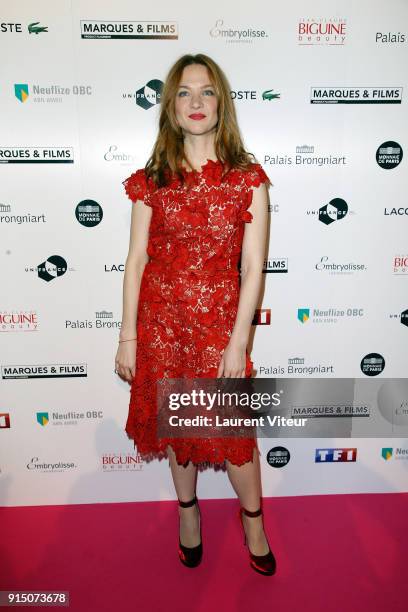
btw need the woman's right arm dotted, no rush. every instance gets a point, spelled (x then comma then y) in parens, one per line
(136, 260)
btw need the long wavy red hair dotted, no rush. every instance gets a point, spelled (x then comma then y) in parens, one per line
(168, 151)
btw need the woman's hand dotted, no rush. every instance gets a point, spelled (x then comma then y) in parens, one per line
(233, 361)
(125, 360)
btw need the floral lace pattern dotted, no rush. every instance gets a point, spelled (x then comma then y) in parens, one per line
(188, 297)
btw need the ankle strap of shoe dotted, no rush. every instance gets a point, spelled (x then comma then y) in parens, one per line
(189, 503)
(249, 513)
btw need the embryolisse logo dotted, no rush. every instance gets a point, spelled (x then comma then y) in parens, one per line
(331, 267)
(233, 35)
(59, 466)
(114, 154)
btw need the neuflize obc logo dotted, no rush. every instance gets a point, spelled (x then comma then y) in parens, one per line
(21, 91)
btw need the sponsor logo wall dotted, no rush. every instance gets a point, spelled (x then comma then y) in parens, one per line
(321, 100)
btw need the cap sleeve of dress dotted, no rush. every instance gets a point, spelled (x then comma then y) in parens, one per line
(136, 187)
(256, 175)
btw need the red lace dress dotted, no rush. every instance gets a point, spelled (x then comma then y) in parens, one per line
(188, 297)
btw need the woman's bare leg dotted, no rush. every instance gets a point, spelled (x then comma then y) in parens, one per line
(185, 480)
(246, 482)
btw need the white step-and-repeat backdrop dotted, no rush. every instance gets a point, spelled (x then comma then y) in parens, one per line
(319, 89)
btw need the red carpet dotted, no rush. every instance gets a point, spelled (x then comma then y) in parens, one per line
(334, 553)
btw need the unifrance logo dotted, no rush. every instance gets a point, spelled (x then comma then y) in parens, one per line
(148, 95)
(335, 210)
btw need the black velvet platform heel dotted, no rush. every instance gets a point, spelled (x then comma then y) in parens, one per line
(191, 557)
(263, 564)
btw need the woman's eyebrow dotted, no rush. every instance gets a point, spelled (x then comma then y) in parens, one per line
(187, 87)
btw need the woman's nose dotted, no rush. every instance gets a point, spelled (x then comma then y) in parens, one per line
(196, 101)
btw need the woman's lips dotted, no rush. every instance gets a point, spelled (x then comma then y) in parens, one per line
(197, 116)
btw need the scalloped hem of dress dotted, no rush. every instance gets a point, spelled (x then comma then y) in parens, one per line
(159, 452)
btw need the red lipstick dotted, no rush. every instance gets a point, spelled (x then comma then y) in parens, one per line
(197, 116)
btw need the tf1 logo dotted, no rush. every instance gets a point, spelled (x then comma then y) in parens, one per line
(335, 455)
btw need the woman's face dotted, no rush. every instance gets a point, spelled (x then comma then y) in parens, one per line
(196, 102)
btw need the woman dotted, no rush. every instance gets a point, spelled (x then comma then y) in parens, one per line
(186, 312)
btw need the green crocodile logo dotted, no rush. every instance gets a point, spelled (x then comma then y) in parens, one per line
(34, 28)
(268, 95)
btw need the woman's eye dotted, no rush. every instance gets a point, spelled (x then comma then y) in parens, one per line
(209, 91)
(181, 93)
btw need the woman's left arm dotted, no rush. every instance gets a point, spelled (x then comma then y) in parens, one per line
(233, 360)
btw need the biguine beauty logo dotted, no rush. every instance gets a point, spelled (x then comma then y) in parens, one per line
(321, 31)
(18, 321)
